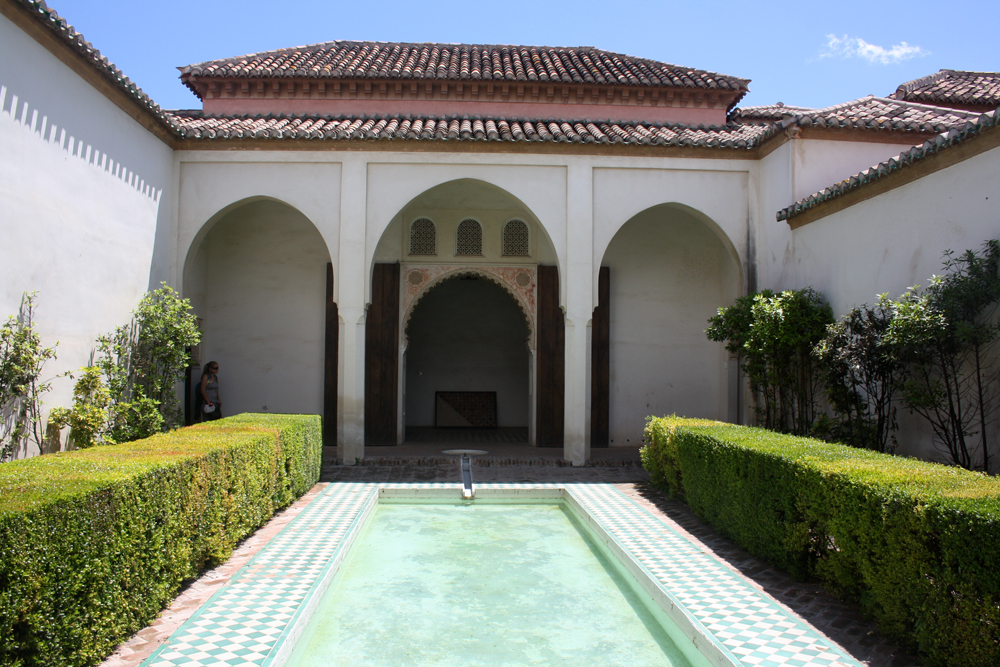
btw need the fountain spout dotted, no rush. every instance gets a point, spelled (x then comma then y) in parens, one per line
(465, 462)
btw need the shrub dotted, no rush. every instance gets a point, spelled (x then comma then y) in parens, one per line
(863, 377)
(142, 363)
(916, 544)
(94, 543)
(774, 336)
(89, 416)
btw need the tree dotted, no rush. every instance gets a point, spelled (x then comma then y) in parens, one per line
(863, 377)
(22, 356)
(142, 362)
(946, 335)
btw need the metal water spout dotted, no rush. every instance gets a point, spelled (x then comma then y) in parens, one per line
(465, 461)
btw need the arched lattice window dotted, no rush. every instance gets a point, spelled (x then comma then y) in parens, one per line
(423, 237)
(515, 239)
(470, 238)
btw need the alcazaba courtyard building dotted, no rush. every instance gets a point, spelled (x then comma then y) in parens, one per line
(404, 236)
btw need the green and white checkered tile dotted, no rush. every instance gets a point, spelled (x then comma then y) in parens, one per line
(241, 625)
(751, 626)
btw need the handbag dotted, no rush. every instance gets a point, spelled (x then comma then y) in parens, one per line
(208, 408)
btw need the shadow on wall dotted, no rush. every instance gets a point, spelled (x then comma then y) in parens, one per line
(258, 281)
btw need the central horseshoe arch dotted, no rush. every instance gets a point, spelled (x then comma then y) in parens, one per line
(423, 249)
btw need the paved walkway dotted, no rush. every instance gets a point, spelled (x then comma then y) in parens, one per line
(841, 622)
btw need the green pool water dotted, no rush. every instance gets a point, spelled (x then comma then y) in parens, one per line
(471, 585)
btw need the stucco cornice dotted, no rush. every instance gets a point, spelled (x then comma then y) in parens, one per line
(418, 146)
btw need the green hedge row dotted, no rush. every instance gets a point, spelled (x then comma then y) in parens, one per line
(94, 543)
(916, 544)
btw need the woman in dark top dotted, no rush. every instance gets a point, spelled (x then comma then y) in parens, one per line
(208, 391)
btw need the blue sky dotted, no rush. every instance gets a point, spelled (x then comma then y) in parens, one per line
(803, 53)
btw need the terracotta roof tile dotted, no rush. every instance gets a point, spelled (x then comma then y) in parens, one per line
(195, 125)
(462, 62)
(767, 113)
(866, 113)
(952, 87)
(944, 141)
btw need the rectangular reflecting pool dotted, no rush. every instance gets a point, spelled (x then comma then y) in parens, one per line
(485, 584)
(526, 574)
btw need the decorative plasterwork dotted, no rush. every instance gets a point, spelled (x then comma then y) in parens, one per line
(519, 281)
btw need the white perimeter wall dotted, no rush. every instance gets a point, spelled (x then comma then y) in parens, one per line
(894, 240)
(85, 197)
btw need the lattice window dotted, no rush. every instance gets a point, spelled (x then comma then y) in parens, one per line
(423, 237)
(470, 238)
(515, 239)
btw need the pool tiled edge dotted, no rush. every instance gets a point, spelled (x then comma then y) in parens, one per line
(254, 620)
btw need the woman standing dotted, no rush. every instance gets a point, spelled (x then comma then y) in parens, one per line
(209, 391)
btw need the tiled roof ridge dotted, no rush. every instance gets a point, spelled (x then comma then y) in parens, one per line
(766, 112)
(692, 77)
(929, 107)
(75, 40)
(197, 125)
(908, 88)
(943, 141)
(831, 117)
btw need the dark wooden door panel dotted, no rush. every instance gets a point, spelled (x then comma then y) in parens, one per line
(382, 356)
(551, 362)
(331, 360)
(600, 363)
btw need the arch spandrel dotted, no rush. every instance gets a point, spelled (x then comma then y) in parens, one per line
(210, 190)
(718, 198)
(191, 242)
(518, 281)
(394, 188)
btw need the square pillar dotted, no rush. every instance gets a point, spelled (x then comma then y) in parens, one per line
(579, 306)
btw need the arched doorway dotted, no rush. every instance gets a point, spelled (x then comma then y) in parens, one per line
(483, 235)
(467, 362)
(257, 277)
(669, 270)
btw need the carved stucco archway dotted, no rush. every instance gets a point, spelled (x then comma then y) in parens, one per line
(520, 282)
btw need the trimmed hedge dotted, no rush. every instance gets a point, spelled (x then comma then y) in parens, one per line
(917, 544)
(94, 543)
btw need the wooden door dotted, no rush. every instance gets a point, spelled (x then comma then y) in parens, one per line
(600, 363)
(382, 356)
(551, 364)
(331, 356)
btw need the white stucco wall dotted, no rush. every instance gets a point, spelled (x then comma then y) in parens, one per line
(262, 304)
(85, 204)
(818, 164)
(467, 335)
(894, 240)
(669, 273)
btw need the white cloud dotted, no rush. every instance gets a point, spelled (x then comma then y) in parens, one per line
(855, 47)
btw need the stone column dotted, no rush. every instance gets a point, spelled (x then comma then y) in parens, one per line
(351, 302)
(577, 283)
